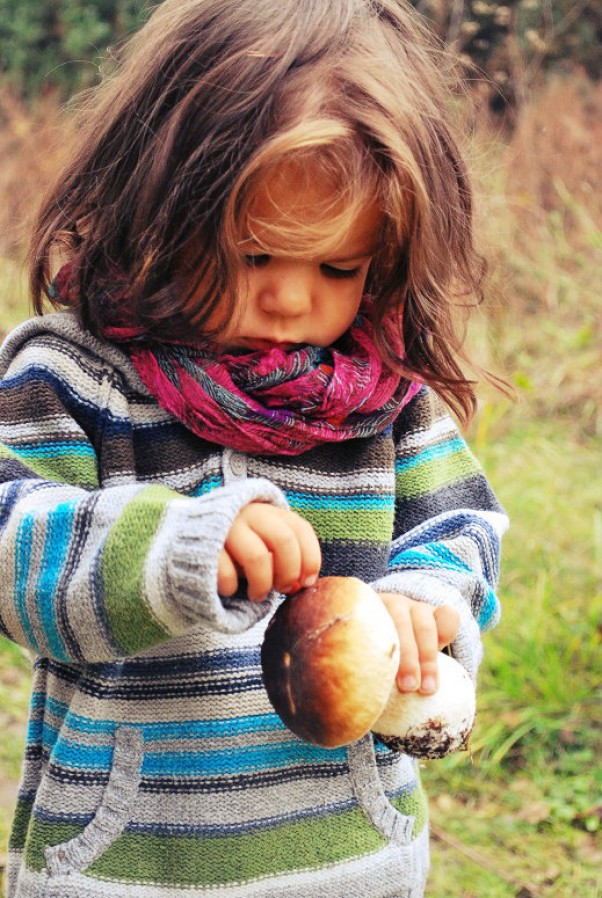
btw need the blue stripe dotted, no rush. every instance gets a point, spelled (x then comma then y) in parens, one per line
(489, 611)
(431, 555)
(441, 450)
(23, 544)
(340, 503)
(41, 732)
(206, 486)
(202, 763)
(38, 702)
(438, 557)
(183, 729)
(238, 760)
(56, 547)
(35, 731)
(51, 449)
(155, 730)
(465, 525)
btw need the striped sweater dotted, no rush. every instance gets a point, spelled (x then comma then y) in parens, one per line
(155, 766)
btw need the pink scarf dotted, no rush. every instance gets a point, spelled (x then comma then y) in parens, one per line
(276, 402)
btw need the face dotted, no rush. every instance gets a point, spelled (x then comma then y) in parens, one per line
(287, 300)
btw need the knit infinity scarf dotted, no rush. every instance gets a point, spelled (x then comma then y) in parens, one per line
(276, 402)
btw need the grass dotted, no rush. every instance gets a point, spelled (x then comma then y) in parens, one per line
(14, 306)
(529, 802)
(521, 816)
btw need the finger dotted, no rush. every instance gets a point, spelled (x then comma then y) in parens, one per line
(310, 551)
(227, 575)
(408, 672)
(425, 633)
(278, 534)
(253, 557)
(293, 543)
(447, 621)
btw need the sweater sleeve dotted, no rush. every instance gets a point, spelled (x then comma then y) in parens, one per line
(92, 573)
(448, 525)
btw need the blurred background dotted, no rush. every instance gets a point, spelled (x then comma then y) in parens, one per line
(520, 815)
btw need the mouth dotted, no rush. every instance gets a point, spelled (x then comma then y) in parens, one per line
(267, 345)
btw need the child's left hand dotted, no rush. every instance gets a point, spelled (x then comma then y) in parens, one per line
(423, 631)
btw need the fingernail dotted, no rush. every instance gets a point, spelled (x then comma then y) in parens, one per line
(309, 581)
(428, 685)
(408, 684)
(292, 587)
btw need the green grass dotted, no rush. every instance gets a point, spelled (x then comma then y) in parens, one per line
(522, 816)
(530, 798)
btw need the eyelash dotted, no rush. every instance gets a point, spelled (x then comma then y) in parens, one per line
(261, 260)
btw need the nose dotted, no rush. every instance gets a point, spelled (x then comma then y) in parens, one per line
(287, 292)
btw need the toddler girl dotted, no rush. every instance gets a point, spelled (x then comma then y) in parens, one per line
(256, 249)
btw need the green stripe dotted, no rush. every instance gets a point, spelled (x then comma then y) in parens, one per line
(187, 861)
(436, 474)
(76, 470)
(354, 525)
(132, 624)
(414, 804)
(21, 820)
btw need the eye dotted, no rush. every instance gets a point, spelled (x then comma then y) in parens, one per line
(257, 260)
(331, 271)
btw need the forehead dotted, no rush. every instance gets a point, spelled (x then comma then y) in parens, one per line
(298, 207)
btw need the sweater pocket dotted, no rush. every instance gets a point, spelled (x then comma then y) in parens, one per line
(395, 827)
(113, 812)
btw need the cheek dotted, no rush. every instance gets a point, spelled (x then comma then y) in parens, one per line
(342, 309)
(354, 297)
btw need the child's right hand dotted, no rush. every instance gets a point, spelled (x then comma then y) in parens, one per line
(271, 548)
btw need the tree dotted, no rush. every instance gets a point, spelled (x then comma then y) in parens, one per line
(50, 44)
(513, 43)
(57, 43)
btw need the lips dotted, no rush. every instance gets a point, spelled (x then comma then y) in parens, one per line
(267, 345)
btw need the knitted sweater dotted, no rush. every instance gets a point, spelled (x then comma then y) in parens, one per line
(155, 766)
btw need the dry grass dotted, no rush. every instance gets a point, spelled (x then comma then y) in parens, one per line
(32, 142)
(541, 226)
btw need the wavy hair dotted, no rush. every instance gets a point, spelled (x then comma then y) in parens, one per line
(208, 98)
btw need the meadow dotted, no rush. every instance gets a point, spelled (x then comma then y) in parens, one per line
(520, 814)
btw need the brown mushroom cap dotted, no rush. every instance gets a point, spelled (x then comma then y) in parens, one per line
(329, 659)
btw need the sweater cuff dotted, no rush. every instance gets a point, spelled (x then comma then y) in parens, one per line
(466, 648)
(181, 582)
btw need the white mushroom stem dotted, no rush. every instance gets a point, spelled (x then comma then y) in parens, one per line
(431, 726)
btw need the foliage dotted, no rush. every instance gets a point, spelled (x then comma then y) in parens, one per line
(59, 44)
(53, 44)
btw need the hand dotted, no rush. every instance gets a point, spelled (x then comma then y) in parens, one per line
(423, 631)
(272, 548)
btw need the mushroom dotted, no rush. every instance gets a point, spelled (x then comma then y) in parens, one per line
(329, 658)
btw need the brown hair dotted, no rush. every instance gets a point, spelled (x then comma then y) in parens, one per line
(211, 94)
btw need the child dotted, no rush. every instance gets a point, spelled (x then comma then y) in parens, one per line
(262, 234)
